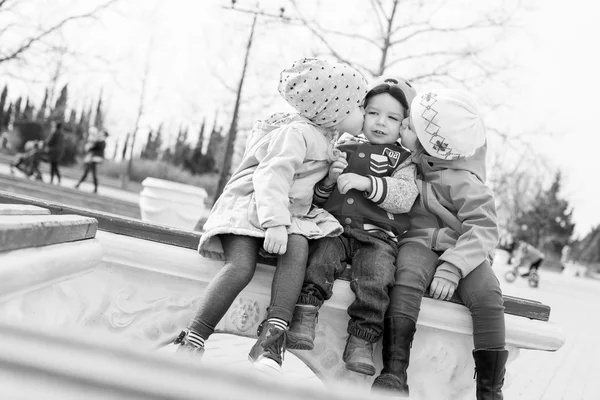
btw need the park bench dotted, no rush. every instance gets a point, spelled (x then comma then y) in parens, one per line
(148, 279)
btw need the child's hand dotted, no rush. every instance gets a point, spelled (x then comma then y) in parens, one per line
(348, 181)
(441, 288)
(335, 169)
(276, 240)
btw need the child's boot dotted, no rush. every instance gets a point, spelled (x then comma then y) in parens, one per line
(397, 341)
(490, 370)
(301, 335)
(187, 347)
(267, 352)
(358, 356)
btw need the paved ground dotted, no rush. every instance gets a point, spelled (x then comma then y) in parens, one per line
(87, 186)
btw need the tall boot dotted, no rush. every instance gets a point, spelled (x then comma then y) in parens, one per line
(490, 368)
(398, 333)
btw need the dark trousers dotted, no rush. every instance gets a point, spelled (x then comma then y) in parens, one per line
(479, 291)
(533, 267)
(54, 171)
(89, 167)
(241, 256)
(373, 258)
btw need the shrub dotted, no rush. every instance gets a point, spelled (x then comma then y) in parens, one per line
(142, 169)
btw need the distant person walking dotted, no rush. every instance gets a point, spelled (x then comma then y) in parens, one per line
(94, 149)
(55, 149)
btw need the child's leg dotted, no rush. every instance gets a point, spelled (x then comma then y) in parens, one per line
(373, 267)
(287, 282)
(241, 255)
(416, 265)
(288, 279)
(94, 176)
(480, 292)
(326, 261)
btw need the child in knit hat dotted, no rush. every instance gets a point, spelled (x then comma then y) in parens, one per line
(267, 203)
(453, 231)
(359, 199)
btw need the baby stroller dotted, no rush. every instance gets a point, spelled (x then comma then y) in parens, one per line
(29, 161)
(525, 255)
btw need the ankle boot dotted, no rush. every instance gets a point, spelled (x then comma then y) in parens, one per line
(267, 352)
(398, 333)
(301, 335)
(490, 369)
(358, 356)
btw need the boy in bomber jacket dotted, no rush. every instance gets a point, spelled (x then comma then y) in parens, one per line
(358, 198)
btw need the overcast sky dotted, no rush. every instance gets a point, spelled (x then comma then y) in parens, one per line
(194, 47)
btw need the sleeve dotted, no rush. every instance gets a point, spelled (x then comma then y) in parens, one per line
(322, 193)
(476, 211)
(397, 193)
(275, 173)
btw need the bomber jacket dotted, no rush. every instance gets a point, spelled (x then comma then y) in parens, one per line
(381, 163)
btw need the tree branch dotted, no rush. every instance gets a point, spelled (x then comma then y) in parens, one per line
(34, 39)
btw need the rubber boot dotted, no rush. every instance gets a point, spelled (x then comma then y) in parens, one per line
(490, 368)
(398, 333)
(301, 335)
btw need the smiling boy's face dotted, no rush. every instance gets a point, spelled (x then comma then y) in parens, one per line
(383, 118)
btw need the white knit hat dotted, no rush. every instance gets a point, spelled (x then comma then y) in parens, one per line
(448, 123)
(324, 92)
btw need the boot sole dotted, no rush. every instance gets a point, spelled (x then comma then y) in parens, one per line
(266, 366)
(364, 369)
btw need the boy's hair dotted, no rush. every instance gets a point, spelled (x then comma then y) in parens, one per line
(324, 92)
(448, 123)
(398, 87)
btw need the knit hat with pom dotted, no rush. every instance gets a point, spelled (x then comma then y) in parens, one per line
(325, 92)
(448, 123)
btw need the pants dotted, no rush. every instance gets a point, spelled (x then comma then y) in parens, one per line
(89, 167)
(479, 291)
(241, 256)
(54, 171)
(373, 258)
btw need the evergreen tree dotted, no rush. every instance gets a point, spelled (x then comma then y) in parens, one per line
(17, 110)
(7, 117)
(41, 115)
(152, 149)
(28, 111)
(587, 250)
(60, 107)
(216, 146)
(200, 142)
(99, 119)
(547, 225)
(2, 105)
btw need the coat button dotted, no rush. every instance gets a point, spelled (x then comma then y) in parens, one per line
(362, 155)
(350, 200)
(348, 221)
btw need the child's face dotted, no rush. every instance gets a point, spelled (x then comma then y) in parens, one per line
(353, 123)
(383, 117)
(408, 136)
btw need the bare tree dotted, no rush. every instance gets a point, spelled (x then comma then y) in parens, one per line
(34, 35)
(439, 40)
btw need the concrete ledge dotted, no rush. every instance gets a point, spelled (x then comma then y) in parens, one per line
(23, 231)
(57, 365)
(25, 270)
(22, 209)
